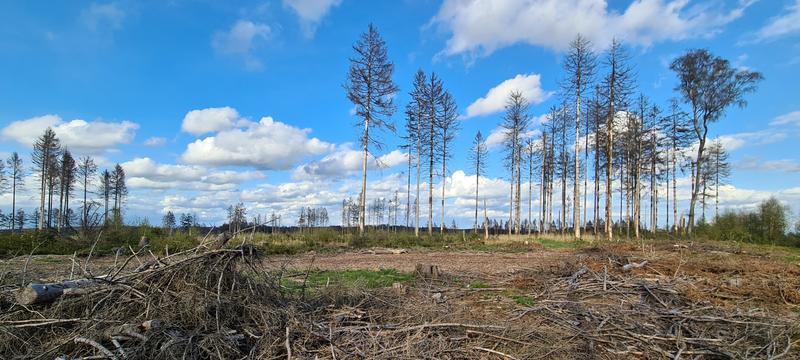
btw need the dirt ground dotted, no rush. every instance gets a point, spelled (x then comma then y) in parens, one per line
(688, 300)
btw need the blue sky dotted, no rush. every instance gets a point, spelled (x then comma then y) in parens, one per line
(208, 103)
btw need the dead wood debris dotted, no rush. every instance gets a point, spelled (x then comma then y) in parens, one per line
(223, 303)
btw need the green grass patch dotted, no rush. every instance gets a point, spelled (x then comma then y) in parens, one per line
(522, 300)
(478, 285)
(349, 278)
(558, 244)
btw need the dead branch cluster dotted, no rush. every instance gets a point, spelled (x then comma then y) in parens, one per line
(229, 303)
(629, 316)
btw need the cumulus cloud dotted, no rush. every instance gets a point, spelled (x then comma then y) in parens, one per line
(787, 119)
(479, 27)
(198, 122)
(266, 145)
(146, 173)
(155, 141)
(80, 135)
(242, 38)
(530, 85)
(498, 134)
(311, 12)
(347, 161)
(735, 141)
(785, 24)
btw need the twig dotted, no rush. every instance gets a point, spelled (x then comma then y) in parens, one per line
(494, 352)
(89, 257)
(288, 345)
(97, 346)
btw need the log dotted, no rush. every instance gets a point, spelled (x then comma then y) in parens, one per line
(634, 266)
(43, 293)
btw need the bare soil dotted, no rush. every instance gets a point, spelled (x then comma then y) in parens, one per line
(688, 300)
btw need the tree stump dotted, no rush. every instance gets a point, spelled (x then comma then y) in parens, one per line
(428, 271)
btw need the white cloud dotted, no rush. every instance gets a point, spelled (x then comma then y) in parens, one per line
(311, 12)
(479, 27)
(266, 145)
(782, 25)
(735, 141)
(498, 134)
(347, 161)
(530, 85)
(786, 119)
(155, 141)
(76, 134)
(146, 173)
(198, 122)
(243, 37)
(755, 163)
(99, 16)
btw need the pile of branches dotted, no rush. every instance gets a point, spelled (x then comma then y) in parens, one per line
(628, 316)
(204, 304)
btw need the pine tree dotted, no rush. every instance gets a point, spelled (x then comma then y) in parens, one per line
(371, 89)
(580, 65)
(45, 152)
(515, 126)
(447, 126)
(16, 177)
(86, 171)
(478, 158)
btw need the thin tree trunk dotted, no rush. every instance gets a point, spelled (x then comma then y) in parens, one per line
(477, 186)
(444, 181)
(363, 198)
(419, 169)
(13, 200)
(576, 209)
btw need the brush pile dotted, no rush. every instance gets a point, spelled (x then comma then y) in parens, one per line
(223, 304)
(629, 316)
(230, 304)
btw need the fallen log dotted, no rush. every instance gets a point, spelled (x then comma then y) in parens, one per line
(43, 293)
(634, 265)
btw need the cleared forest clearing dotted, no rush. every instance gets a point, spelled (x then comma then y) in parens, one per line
(706, 300)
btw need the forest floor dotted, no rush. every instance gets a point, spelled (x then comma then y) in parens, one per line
(542, 300)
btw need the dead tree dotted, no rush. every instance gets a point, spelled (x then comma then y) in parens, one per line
(515, 126)
(447, 125)
(478, 158)
(371, 89)
(616, 87)
(45, 152)
(579, 65)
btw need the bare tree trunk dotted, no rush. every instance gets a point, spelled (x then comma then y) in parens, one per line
(444, 181)
(609, 168)
(419, 169)
(408, 193)
(477, 188)
(430, 182)
(576, 209)
(518, 200)
(696, 181)
(362, 200)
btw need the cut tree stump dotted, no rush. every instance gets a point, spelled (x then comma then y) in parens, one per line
(42, 293)
(428, 271)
